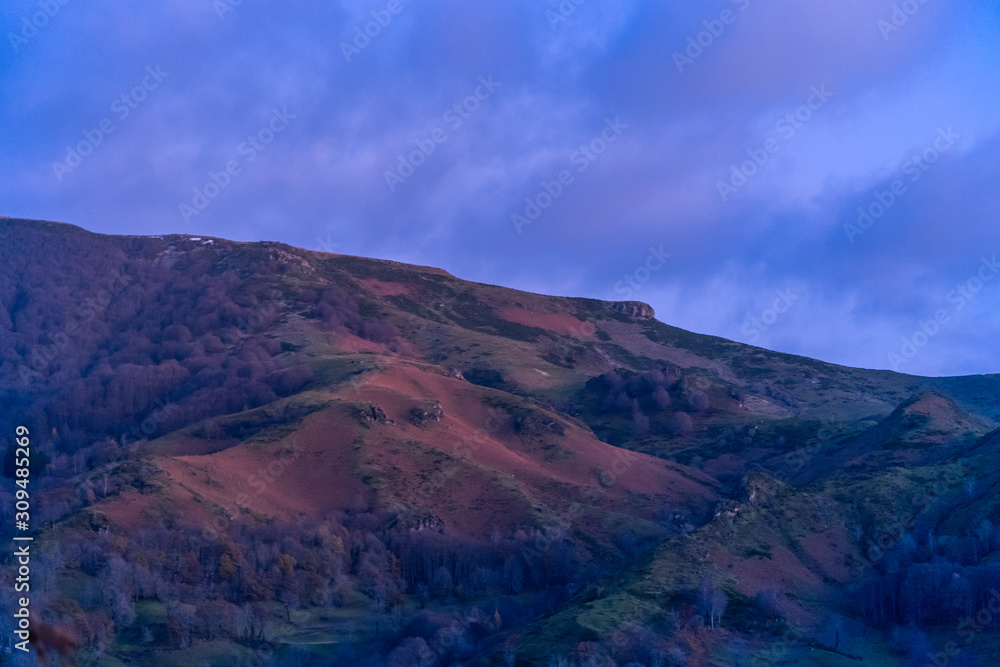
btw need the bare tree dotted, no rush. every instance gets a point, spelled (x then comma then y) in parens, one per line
(712, 600)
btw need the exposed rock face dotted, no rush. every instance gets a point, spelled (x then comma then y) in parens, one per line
(373, 413)
(423, 414)
(636, 309)
(759, 488)
(428, 523)
(414, 521)
(537, 424)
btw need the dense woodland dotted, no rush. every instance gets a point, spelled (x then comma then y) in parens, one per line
(169, 340)
(228, 586)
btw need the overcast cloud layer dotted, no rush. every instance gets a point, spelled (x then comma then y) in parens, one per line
(707, 158)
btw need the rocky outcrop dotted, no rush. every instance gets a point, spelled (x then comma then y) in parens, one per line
(535, 423)
(636, 309)
(759, 488)
(372, 414)
(418, 522)
(420, 415)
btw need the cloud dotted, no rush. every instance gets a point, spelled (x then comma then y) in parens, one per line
(324, 177)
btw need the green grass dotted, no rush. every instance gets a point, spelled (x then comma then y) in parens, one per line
(336, 370)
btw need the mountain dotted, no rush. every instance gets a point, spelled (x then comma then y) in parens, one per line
(252, 452)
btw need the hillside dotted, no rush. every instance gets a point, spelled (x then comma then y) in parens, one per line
(249, 451)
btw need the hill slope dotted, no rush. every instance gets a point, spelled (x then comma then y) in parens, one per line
(344, 458)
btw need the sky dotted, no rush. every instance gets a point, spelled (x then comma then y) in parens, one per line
(818, 178)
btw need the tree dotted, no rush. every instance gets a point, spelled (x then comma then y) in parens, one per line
(180, 624)
(680, 424)
(765, 603)
(510, 650)
(712, 601)
(413, 651)
(443, 584)
(121, 608)
(377, 331)
(661, 397)
(985, 534)
(216, 618)
(227, 568)
(254, 622)
(698, 401)
(719, 603)
(640, 422)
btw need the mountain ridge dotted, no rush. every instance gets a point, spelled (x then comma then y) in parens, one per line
(586, 470)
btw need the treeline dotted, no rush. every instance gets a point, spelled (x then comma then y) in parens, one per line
(927, 579)
(226, 586)
(442, 567)
(427, 594)
(663, 392)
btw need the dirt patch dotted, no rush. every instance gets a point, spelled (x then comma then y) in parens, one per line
(560, 323)
(383, 288)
